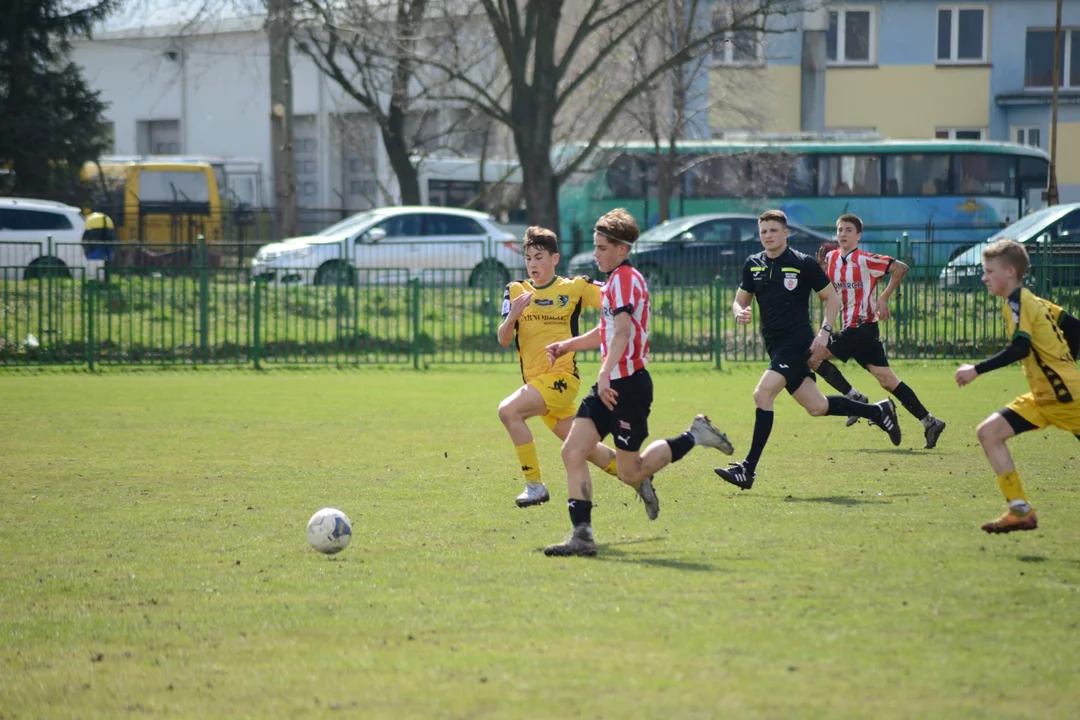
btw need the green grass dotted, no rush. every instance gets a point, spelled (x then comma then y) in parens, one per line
(154, 560)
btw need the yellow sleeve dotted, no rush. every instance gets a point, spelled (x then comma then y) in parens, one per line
(591, 293)
(513, 289)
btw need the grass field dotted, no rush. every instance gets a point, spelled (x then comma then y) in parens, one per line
(153, 560)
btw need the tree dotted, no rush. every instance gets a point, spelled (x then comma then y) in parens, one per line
(369, 48)
(51, 121)
(550, 60)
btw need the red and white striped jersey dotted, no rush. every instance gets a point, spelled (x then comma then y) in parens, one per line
(855, 278)
(625, 291)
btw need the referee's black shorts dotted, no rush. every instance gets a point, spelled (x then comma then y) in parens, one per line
(790, 356)
(861, 344)
(628, 423)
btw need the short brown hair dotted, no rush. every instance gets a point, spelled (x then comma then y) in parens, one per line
(618, 225)
(541, 239)
(850, 218)
(1011, 253)
(776, 215)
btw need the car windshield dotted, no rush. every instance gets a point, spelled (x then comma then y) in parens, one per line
(668, 230)
(347, 224)
(1022, 228)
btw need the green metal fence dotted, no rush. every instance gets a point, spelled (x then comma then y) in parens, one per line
(200, 310)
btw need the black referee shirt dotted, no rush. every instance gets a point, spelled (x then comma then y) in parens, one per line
(782, 287)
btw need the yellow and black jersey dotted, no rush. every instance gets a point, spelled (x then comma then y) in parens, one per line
(1050, 366)
(552, 316)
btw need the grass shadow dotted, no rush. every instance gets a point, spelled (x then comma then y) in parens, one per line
(610, 552)
(842, 500)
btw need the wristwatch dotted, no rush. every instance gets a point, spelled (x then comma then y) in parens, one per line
(826, 327)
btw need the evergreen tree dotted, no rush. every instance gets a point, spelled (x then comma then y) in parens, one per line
(50, 119)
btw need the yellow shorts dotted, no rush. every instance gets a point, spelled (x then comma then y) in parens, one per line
(559, 391)
(1063, 415)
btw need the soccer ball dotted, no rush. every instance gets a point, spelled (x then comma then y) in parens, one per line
(329, 531)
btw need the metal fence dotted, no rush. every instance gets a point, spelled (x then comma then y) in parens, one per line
(198, 308)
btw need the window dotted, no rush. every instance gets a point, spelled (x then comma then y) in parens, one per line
(19, 219)
(157, 137)
(742, 42)
(401, 226)
(916, 175)
(441, 225)
(1027, 135)
(849, 175)
(718, 177)
(783, 175)
(173, 186)
(985, 175)
(959, 133)
(961, 34)
(852, 36)
(1039, 59)
(714, 231)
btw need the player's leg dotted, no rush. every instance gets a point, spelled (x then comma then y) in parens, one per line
(840, 348)
(742, 474)
(601, 456)
(993, 433)
(580, 441)
(932, 427)
(883, 414)
(525, 403)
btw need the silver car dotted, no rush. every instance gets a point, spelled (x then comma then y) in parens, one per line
(394, 245)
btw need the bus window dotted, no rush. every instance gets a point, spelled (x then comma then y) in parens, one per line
(849, 175)
(916, 175)
(173, 186)
(626, 177)
(719, 177)
(986, 175)
(784, 175)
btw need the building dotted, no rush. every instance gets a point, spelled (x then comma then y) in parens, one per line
(921, 69)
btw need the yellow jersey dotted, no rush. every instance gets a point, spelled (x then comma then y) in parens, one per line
(552, 315)
(1050, 366)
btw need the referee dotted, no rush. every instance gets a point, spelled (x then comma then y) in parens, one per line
(782, 279)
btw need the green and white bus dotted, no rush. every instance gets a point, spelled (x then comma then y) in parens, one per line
(945, 194)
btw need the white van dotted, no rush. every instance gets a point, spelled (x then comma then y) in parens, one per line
(25, 228)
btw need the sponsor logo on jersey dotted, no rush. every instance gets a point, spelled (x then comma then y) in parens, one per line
(543, 301)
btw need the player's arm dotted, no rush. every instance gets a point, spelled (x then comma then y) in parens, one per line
(588, 341)
(1015, 351)
(744, 296)
(832, 309)
(897, 270)
(512, 310)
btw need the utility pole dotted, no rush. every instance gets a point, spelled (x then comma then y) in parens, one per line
(279, 30)
(1052, 186)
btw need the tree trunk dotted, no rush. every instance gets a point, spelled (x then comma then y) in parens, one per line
(397, 151)
(281, 118)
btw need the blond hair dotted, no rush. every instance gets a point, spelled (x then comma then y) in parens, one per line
(1010, 253)
(618, 225)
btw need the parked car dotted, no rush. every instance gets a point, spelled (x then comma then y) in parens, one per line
(695, 249)
(391, 245)
(1052, 238)
(25, 228)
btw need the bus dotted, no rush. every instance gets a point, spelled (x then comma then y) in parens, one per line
(156, 202)
(945, 195)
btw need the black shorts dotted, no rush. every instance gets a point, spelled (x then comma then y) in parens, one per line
(791, 358)
(861, 344)
(629, 421)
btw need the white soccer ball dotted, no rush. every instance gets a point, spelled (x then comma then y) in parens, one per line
(329, 531)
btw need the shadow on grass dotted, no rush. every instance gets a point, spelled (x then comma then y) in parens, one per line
(890, 451)
(843, 500)
(1032, 558)
(610, 552)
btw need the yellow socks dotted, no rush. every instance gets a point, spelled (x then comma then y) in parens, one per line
(612, 469)
(530, 464)
(1011, 487)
